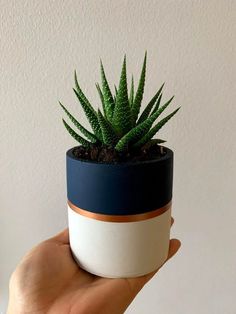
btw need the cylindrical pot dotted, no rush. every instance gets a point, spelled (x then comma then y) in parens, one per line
(119, 214)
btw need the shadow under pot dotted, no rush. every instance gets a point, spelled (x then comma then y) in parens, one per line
(119, 214)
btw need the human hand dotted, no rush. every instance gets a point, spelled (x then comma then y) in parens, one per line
(48, 281)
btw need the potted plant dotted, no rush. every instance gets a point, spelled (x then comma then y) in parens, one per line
(119, 181)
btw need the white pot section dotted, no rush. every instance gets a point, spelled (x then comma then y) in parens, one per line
(119, 249)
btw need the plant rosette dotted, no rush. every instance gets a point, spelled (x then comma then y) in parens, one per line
(119, 182)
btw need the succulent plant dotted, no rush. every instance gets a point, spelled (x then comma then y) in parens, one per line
(119, 125)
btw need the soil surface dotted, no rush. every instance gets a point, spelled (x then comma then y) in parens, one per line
(109, 155)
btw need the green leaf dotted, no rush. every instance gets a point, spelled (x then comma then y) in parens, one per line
(139, 94)
(88, 134)
(101, 98)
(131, 96)
(116, 91)
(107, 95)
(150, 105)
(155, 129)
(81, 94)
(108, 134)
(161, 109)
(140, 130)
(157, 104)
(134, 134)
(90, 114)
(76, 136)
(121, 120)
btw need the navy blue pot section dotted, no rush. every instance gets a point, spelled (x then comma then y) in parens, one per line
(120, 189)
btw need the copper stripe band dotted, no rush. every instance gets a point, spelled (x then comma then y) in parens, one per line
(120, 218)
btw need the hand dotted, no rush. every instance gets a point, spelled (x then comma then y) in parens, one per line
(48, 281)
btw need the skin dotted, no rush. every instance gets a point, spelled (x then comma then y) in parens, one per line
(48, 281)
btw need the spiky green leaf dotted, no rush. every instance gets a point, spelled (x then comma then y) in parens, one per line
(114, 97)
(91, 115)
(131, 95)
(148, 109)
(88, 109)
(157, 106)
(108, 134)
(116, 90)
(122, 113)
(132, 136)
(107, 95)
(155, 129)
(76, 136)
(84, 131)
(136, 133)
(161, 109)
(139, 94)
(81, 94)
(101, 98)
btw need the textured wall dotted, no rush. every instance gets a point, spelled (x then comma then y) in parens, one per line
(191, 46)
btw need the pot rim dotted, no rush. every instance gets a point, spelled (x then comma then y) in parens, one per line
(168, 154)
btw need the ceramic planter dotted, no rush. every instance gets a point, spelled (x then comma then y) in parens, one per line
(119, 214)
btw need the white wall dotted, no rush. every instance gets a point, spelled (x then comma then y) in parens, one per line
(191, 46)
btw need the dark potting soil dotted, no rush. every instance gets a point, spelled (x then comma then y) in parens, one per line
(109, 155)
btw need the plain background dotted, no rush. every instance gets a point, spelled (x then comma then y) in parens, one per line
(191, 46)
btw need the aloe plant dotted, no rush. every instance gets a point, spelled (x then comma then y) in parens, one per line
(120, 125)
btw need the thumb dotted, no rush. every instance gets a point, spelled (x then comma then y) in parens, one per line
(137, 283)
